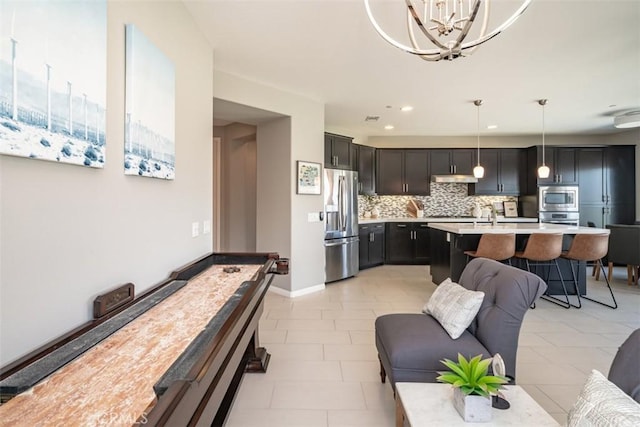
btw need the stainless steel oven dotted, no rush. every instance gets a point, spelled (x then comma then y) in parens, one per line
(566, 218)
(558, 199)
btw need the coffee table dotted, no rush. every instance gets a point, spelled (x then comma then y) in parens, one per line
(431, 404)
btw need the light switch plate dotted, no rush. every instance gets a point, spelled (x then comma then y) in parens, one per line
(206, 227)
(313, 217)
(195, 229)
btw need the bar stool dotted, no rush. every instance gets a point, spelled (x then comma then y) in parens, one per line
(544, 249)
(498, 247)
(589, 248)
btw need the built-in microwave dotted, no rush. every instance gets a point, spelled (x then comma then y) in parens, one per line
(558, 198)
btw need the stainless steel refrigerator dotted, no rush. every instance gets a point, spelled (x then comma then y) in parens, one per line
(341, 224)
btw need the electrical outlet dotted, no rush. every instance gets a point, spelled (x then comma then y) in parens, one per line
(206, 227)
(195, 229)
(313, 217)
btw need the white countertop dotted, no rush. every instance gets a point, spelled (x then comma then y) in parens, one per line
(466, 228)
(501, 219)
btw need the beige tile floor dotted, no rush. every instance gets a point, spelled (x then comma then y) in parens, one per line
(324, 369)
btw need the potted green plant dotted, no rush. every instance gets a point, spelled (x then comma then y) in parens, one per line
(473, 387)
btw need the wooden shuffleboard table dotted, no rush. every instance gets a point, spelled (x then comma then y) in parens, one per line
(176, 357)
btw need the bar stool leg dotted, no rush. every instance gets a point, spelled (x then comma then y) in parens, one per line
(552, 299)
(606, 279)
(575, 285)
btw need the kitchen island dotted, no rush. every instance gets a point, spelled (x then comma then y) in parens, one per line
(450, 240)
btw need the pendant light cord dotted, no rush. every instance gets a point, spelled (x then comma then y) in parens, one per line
(478, 103)
(543, 102)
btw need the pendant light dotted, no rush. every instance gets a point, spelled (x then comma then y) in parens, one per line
(478, 171)
(543, 170)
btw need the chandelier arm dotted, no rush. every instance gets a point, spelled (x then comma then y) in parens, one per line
(467, 27)
(500, 28)
(411, 13)
(391, 41)
(485, 24)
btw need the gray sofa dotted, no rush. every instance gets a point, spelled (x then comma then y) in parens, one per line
(411, 346)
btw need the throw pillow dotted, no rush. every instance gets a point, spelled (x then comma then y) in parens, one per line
(601, 403)
(454, 307)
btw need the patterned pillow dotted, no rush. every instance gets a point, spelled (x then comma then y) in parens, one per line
(454, 307)
(601, 403)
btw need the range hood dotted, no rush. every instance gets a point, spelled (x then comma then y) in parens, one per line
(464, 179)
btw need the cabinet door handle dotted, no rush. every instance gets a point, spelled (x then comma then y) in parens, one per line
(424, 225)
(371, 238)
(455, 168)
(407, 190)
(401, 225)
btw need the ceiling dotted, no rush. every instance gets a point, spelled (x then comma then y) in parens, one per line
(584, 56)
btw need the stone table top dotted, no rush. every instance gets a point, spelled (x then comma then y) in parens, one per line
(431, 404)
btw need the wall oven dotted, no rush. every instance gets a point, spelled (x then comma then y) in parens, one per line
(559, 204)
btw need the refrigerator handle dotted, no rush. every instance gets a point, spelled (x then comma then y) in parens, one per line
(343, 203)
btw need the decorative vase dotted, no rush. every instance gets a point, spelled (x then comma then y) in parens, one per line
(476, 212)
(472, 408)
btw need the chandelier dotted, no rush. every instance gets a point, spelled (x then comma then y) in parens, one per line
(446, 24)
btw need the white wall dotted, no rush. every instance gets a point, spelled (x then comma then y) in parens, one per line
(238, 187)
(69, 233)
(282, 214)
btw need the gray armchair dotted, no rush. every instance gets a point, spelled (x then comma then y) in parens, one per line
(624, 248)
(411, 346)
(625, 371)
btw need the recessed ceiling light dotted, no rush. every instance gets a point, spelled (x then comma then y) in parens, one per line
(388, 127)
(492, 126)
(406, 108)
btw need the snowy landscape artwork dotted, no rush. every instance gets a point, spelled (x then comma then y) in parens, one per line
(53, 80)
(149, 142)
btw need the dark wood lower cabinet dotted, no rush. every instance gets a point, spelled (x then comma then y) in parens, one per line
(407, 243)
(371, 250)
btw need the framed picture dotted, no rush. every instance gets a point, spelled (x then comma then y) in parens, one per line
(309, 178)
(150, 87)
(510, 209)
(499, 208)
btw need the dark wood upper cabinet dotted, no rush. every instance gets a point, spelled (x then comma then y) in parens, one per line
(390, 172)
(562, 161)
(402, 172)
(504, 171)
(456, 161)
(365, 164)
(337, 151)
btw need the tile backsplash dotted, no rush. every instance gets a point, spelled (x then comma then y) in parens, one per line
(446, 199)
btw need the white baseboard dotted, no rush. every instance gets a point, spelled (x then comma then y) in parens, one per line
(298, 293)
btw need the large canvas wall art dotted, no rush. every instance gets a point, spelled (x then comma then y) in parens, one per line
(149, 146)
(53, 80)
